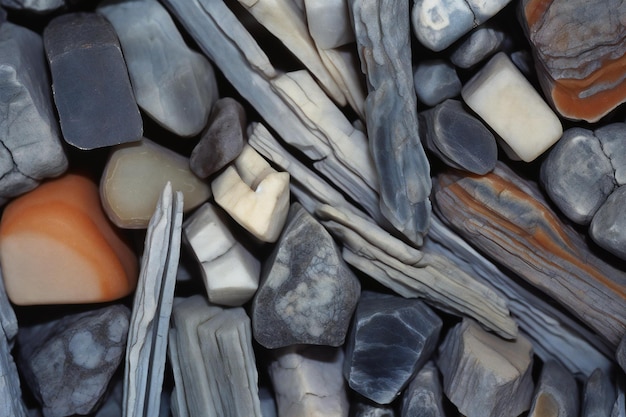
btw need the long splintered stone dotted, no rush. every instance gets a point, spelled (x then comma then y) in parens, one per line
(509, 220)
(608, 227)
(92, 91)
(620, 354)
(68, 362)
(174, 85)
(307, 381)
(30, 142)
(556, 393)
(391, 339)
(484, 375)
(598, 395)
(307, 293)
(423, 396)
(383, 39)
(435, 81)
(458, 138)
(223, 140)
(231, 273)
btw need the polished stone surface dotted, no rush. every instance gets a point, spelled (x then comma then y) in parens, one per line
(608, 227)
(436, 80)
(479, 44)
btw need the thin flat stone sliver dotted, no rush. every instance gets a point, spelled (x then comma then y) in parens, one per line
(152, 307)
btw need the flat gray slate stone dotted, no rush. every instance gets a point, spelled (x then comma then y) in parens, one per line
(436, 80)
(391, 339)
(92, 91)
(608, 227)
(598, 396)
(556, 393)
(480, 44)
(174, 85)
(307, 293)
(29, 132)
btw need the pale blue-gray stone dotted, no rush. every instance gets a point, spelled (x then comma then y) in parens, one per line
(598, 395)
(612, 139)
(436, 80)
(362, 407)
(480, 44)
(556, 387)
(35, 6)
(608, 227)
(620, 355)
(424, 396)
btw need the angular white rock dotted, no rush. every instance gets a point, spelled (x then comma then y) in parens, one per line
(231, 273)
(329, 22)
(511, 106)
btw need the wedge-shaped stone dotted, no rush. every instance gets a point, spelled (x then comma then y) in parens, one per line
(92, 91)
(556, 393)
(254, 194)
(598, 395)
(423, 396)
(391, 339)
(231, 273)
(484, 375)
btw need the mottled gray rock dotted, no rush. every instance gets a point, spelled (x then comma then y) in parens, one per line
(620, 354)
(30, 146)
(459, 139)
(608, 227)
(436, 80)
(619, 408)
(36, 6)
(383, 41)
(423, 396)
(598, 395)
(556, 393)
(362, 407)
(92, 91)
(307, 293)
(391, 339)
(68, 362)
(223, 140)
(8, 321)
(11, 404)
(480, 44)
(611, 138)
(174, 85)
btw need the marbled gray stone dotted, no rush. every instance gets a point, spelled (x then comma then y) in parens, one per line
(598, 395)
(480, 44)
(223, 139)
(362, 407)
(391, 339)
(608, 227)
(68, 362)
(556, 393)
(174, 85)
(612, 138)
(423, 396)
(307, 293)
(30, 144)
(620, 354)
(383, 41)
(92, 91)
(11, 404)
(35, 6)
(459, 139)
(436, 80)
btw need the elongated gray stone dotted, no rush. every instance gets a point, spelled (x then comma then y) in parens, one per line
(174, 85)
(435, 81)
(620, 355)
(30, 146)
(391, 339)
(307, 293)
(556, 393)
(92, 91)
(480, 44)
(608, 227)
(598, 395)
(423, 396)
(383, 38)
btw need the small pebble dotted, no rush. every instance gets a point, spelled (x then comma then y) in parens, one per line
(436, 80)
(480, 44)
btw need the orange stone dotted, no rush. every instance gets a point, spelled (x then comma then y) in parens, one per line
(58, 247)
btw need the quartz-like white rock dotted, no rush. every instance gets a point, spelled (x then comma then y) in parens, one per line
(231, 273)
(329, 22)
(511, 106)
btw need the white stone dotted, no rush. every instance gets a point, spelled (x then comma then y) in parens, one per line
(329, 22)
(511, 106)
(231, 273)
(254, 194)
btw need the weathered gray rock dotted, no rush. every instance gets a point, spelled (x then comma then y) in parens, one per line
(480, 44)
(68, 362)
(556, 393)
(8, 321)
(362, 407)
(423, 396)
(608, 227)
(174, 85)
(11, 404)
(36, 6)
(598, 395)
(391, 339)
(383, 41)
(435, 81)
(329, 23)
(459, 139)
(611, 138)
(619, 408)
(223, 140)
(621, 353)
(476, 383)
(30, 146)
(92, 91)
(307, 293)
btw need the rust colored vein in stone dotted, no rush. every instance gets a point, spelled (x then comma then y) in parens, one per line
(535, 9)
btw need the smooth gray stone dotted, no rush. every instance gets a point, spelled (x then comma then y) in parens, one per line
(362, 407)
(578, 175)
(391, 339)
(523, 60)
(480, 44)
(611, 138)
(598, 395)
(459, 139)
(174, 85)
(68, 362)
(556, 393)
(423, 397)
(392, 123)
(36, 6)
(223, 140)
(608, 227)
(92, 91)
(268, 403)
(620, 354)
(307, 292)
(29, 132)
(436, 80)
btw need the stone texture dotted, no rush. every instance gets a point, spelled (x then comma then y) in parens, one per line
(598, 395)
(608, 227)
(511, 106)
(611, 138)
(174, 85)
(423, 396)
(329, 23)
(30, 146)
(383, 41)
(619, 408)
(435, 80)
(480, 44)
(391, 339)
(307, 381)
(484, 375)
(223, 139)
(458, 138)
(58, 247)
(556, 393)
(35, 6)
(307, 293)
(621, 353)
(579, 53)
(92, 91)
(362, 407)
(68, 362)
